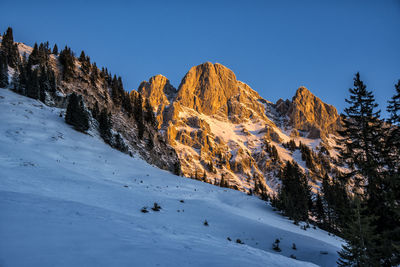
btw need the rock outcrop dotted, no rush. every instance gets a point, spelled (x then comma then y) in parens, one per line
(159, 92)
(309, 114)
(220, 127)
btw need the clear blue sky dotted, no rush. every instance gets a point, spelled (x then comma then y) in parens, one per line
(274, 46)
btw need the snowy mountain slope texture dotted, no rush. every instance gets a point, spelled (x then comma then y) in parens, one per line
(220, 127)
(69, 199)
(100, 90)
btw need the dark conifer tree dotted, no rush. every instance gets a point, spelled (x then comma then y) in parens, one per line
(149, 113)
(32, 88)
(10, 49)
(82, 57)
(67, 60)
(55, 49)
(105, 125)
(295, 193)
(85, 62)
(361, 149)
(16, 82)
(127, 104)
(3, 70)
(292, 145)
(77, 115)
(360, 238)
(47, 82)
(138, 113)
(393, 140)
(319, 211)
(33, 58)
(96, 111)
(390, 224)
(329, 198)
(362, 138)
(275, 154)
(117, 91)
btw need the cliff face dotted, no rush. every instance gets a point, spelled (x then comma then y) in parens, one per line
(212, 89)
(159, 92)
(309, 114)
(220, 127)
(206, 88)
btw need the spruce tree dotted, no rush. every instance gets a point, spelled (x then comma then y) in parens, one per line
(295, 193)
(47, 82)
(361, 150)
(55, 49)
(393, 140)
(149, 113)
(390, 222)
(336, 203)
(359, 247)
(3, 71)
(127, 104)
(85, 63)
(77, 115)
(138, 114)
(10, 49)
(105, 126)
(67, 60)
(33, 58)
(16, 82)
(32, 88)
(361, 138)
(319, 211)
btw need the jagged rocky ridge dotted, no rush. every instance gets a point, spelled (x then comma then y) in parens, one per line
(223, 130)
(213, 128)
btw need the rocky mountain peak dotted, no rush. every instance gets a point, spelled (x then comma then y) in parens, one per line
(220, 127)
(206, 88)
(308, 113)
(158, 90)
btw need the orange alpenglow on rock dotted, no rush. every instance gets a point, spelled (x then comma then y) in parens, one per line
(219, 126)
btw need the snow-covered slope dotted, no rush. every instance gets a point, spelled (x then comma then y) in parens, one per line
(68, 199)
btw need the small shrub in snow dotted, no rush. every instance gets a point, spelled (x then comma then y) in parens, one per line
(239, 241)
(294, 246)
(293, 256)
(275, 245)
(229, 239)
(144, 210)
(156, 207)
(205, 223)
(182, 201)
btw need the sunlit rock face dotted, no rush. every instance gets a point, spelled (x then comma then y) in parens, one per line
(309, 114)
(159, 91)
(220, 127)
(213, 90)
